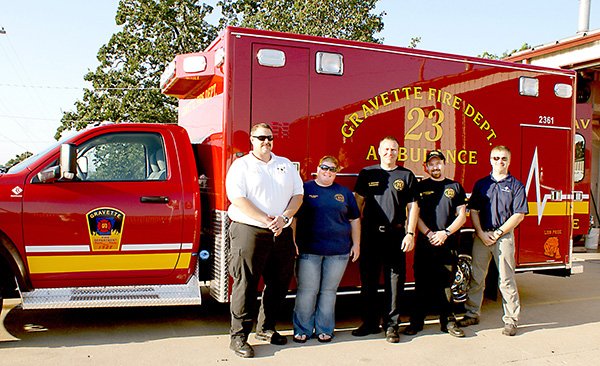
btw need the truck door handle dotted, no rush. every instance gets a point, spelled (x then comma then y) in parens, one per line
(154, 199)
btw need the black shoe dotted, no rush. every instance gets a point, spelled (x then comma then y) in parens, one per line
(365, 330)
(467, 320)
(241, 347)
(452, 329)
(272, 337)
(411, 330)
(391, 335)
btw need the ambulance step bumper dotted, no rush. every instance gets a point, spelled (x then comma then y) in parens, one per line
(117, 296)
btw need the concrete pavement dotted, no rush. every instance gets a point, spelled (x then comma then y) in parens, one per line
(560, 325)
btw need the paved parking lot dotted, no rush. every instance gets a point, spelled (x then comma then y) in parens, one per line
(560, 326)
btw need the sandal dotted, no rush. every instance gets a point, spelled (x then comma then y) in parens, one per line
(300, 338)
(324, 338)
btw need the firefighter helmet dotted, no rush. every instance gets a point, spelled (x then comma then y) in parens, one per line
(462, 278)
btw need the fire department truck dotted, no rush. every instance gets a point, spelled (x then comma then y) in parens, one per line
(136, 214)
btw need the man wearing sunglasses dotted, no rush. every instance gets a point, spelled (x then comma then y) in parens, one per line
(498, 204)
(384, 194)
(265, 191)
(442, 212)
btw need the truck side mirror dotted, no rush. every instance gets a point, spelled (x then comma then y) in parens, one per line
(68, 162)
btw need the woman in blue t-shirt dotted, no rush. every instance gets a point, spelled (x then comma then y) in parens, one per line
(327, 235)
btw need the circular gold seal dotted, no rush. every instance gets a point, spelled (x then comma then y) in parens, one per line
(399, 184)
(339, 197)
(449, 192)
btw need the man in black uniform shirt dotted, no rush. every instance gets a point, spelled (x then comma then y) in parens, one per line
(442, 212)
(383, 193)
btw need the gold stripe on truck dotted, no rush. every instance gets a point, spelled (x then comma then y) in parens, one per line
(100, 263)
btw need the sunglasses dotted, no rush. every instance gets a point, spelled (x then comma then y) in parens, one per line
(264, 137)
(328, 168)
(496, 158)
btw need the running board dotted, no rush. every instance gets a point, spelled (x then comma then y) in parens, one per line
(115, 296)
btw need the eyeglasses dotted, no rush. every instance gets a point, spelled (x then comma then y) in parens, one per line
(503, 158)
(264, 137)
(328, 168)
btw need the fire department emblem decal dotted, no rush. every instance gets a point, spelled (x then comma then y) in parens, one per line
(339, 197)
(105, 226)
(450, 193)
(399, 184)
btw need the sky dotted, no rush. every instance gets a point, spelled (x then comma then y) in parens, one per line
(50, 45)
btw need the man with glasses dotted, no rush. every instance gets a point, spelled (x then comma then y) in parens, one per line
(265, 191)
(442, 212)
(498, 204)
(385, 193)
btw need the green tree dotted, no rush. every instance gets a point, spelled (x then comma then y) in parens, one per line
(125, 84)
(343, 19)
(506, 53)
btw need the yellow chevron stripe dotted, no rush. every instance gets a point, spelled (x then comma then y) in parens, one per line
(101, 263)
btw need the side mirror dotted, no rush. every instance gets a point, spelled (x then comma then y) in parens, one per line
(68, 162)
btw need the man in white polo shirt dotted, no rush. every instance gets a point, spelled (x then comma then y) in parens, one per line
(265, 191)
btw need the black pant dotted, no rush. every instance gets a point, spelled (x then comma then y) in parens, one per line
(434, 274)
(255, 252)
(382, 251)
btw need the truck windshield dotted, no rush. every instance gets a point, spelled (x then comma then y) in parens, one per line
(25, 163)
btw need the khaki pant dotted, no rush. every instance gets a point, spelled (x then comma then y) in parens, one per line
(503, 253)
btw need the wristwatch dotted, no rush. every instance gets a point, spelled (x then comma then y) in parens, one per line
(448, 233)
(410, 233)
(498, 232)
(285, 219)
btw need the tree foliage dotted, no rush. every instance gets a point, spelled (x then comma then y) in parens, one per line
(343, 19)
(125, 84)
(506, 53)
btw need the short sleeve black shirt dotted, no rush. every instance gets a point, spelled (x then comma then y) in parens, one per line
(386, 193)
(438, 202)
(497, 201)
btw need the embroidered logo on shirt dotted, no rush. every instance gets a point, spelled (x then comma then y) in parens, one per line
(506, 189)
(399, 184)
(449, 192)
(373, 184)
(313, 196)
(339, 197)
(426, 193)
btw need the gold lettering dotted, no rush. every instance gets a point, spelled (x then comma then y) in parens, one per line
(447, 97)
(491, 135)
(472, 157)
(366, 110)
(355, 120)
(456, 104)
(385, 99)
(406, 91)
(461, 156)
(485, 125)
(375, 105)
(402, 154)
(347, 131)
(451, 155)
(478, 116)
(431, 93)
(395, 92)
(469, 111)
(417, 93)
(575, 223)
(372, 154)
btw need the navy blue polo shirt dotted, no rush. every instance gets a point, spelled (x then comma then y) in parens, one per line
(497, 201)
(386, 194)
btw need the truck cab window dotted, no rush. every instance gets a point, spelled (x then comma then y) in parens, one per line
(122, 157)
